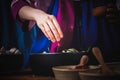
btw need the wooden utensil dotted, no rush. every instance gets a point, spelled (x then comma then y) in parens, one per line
(83, 62)
(105, 69)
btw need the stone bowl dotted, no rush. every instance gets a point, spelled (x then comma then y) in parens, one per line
(66, 72)
(42, 63)
(10, 63)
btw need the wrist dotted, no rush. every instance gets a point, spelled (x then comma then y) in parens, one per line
(29, 13)
(36, 15)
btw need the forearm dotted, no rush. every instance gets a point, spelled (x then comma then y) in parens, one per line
(29, 13)
(46, 22)
(99, 10)
(16, 5)
(99, 7)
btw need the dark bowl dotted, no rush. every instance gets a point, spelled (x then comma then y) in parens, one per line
(10, 63)
(41, 64)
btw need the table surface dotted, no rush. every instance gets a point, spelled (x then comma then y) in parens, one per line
(24, 75)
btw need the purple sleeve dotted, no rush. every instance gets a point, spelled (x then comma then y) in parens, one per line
(16, 5)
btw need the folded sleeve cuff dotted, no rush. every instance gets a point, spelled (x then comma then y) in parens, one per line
(16, 6)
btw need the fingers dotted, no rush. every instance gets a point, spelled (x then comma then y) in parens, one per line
(49, 32)
(54, 30)
(43, 30)
(51, 29)
(57, 26)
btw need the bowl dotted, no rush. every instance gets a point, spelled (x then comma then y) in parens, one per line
(10, 63)
(42, 63)
(68, 72)
(96, 74)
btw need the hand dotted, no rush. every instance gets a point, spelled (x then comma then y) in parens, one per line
(47, 23)
(98, 11)
(49, 26)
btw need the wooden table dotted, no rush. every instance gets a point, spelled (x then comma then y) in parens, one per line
(24, 75)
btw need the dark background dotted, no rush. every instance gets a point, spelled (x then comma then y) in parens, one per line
(7, 25)
(8, 38)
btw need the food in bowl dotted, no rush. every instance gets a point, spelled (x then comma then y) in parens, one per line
(70, 50)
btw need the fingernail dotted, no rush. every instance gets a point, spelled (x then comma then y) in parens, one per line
(53, 40)
(58, 39)
(61, 36)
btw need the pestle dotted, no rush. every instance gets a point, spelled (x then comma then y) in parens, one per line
(105, 69)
